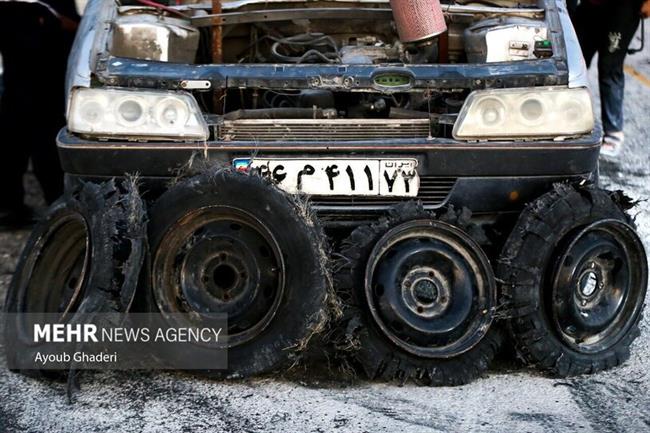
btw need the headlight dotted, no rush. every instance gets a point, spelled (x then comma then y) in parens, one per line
(119, 113)
(535, 112)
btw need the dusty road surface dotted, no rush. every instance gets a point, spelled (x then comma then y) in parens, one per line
(508, 399)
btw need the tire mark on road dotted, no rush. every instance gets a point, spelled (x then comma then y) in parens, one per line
(617, 404)
(548, 422)
(403, 410)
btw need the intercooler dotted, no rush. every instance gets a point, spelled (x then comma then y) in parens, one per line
(321, 129)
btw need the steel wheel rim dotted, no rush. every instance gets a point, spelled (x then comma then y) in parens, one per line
(411, 298)
(202, 267)
(597, 290)
(59, 262)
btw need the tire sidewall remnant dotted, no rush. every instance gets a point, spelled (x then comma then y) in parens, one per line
(377, 356)
(114, 219)
(528, 258)
(302, 307)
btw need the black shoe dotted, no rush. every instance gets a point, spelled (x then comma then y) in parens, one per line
(17, 218)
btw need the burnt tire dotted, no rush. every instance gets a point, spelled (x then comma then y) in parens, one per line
(83, 257)
(573, 278)
(383, 357)
(231, 243)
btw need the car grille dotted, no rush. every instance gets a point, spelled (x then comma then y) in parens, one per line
(322, 129)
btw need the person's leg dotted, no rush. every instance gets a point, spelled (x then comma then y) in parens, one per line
(53, 51)
(15, 154)
(623, 22)
(586, 21)
(13, 110)
(33, 104)
(46, 165)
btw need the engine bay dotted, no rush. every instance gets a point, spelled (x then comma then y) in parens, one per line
(334, 32)
(289, 39)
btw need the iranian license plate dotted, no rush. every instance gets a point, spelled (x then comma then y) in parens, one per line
(342, 177)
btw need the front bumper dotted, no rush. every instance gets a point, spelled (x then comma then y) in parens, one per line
(485, 177)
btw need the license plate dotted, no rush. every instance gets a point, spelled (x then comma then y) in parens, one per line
(338, 177)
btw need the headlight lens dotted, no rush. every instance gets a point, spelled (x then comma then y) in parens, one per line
(119, 113)
(536, 112)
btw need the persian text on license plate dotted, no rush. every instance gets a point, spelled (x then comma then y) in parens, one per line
(342, 177)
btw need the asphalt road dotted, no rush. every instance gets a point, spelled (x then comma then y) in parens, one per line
(509, 399)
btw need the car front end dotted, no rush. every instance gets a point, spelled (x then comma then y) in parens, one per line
(405, 179)
(487, 115)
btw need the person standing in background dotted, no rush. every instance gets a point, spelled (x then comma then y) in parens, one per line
(607, 27)
(35, 39)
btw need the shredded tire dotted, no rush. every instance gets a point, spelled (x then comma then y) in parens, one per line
(524, 266)
(90, 242)
(256, 211)
(368, 348)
